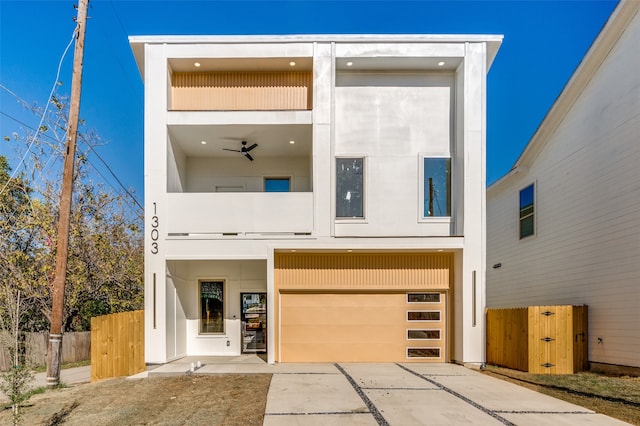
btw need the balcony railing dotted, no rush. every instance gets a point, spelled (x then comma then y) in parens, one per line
(242, 213)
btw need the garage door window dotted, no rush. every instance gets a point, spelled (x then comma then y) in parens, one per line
(423, 334)
(423, 316)
(423, 298)
(423, 352)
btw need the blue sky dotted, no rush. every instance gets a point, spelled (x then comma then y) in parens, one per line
(544, 42)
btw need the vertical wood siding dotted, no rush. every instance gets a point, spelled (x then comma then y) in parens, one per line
(364, 271)
(241, 91)
(117, 345)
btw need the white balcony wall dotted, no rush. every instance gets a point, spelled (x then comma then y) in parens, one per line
(241, 175)
(176, 167)
(392, 119)
(251, 212)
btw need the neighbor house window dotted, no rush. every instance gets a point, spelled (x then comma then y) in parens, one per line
(277, 184)
(437, 187)
(349, 188)
(211, 306)
(527, 200)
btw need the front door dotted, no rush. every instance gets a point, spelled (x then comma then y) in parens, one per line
(254, 322)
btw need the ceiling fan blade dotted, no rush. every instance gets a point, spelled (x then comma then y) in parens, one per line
(234, 150)
(252, 146)
(246, 154)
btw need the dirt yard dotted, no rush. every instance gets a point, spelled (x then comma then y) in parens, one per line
(229, 399)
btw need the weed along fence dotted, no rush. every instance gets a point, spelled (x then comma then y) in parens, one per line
(117, 345)
(76, 347)
(538, 339)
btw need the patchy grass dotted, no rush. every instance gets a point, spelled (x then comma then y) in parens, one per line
(615, 396)
(223, 399)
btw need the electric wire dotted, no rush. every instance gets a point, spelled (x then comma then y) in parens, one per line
(122, 186)
(33, 139)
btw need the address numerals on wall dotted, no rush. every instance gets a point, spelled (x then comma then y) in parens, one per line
(154, 230)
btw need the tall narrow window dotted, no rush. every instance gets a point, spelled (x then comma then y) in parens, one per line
(211, 307)
(527, 200)
(437, 187)
(349, 188)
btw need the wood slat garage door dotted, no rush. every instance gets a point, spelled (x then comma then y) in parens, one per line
(361, 327)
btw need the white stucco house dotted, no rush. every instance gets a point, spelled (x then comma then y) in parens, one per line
(563, 226)
(316, 198)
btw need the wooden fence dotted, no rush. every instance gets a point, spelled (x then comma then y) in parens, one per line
(117, 345)
(76, 347)
(538, 339)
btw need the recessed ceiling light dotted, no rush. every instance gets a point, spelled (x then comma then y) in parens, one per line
(349, 251)
(196, 64)
(292, 142)
(292, 63)
(441, 63)
(349, 63)
(203, 142)
(292, 251)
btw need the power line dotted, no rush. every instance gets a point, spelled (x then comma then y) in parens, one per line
(122, 186)
(44, 113)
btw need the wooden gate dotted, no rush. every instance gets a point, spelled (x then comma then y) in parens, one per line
(557, 339)
(538, 339)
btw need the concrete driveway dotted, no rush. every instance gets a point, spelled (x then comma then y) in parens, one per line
(410, 394)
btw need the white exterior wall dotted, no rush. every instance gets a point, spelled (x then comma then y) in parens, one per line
(586, 248)
(417, 114)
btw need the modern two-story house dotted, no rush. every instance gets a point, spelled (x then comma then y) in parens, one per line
(317, 198)
(563, 223)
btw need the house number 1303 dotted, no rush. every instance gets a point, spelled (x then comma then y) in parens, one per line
(154, 231)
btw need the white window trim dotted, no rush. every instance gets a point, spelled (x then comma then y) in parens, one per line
(425, 339)
(265, 177)
(224, 308)
(421, 217)
(424, 292)
(423, 310)
(365, 199)
(424, 357)
(535, 211)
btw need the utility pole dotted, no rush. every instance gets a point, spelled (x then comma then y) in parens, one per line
(55, 332)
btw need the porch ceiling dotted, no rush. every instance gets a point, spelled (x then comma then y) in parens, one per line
(272, 140)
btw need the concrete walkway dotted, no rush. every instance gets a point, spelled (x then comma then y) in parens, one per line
(393, 394)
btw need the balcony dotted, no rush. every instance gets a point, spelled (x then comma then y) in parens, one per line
(248, 214)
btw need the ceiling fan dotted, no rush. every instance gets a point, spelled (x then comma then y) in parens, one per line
(244, 150)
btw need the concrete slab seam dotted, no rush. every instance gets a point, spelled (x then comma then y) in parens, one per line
(395, 389)
(541, 412)
(318, 413)
(460, 396)
(370, 405)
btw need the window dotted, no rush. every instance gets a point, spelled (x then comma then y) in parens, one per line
(423, 297)
(527, 201)
(423, 316)
(349, 187)
(437, 187)
(211, 306)
(277, 184)
(423, 334)
(423, 352)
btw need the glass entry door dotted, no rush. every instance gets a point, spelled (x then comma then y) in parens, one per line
(254, 322)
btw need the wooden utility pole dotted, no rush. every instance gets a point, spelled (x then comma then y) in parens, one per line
(55, 332)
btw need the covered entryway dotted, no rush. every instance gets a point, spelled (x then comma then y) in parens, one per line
(369, 307)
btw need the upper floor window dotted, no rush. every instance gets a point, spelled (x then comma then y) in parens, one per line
(437, 187)
(349, 188)
(527, 204)
(277, 184)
